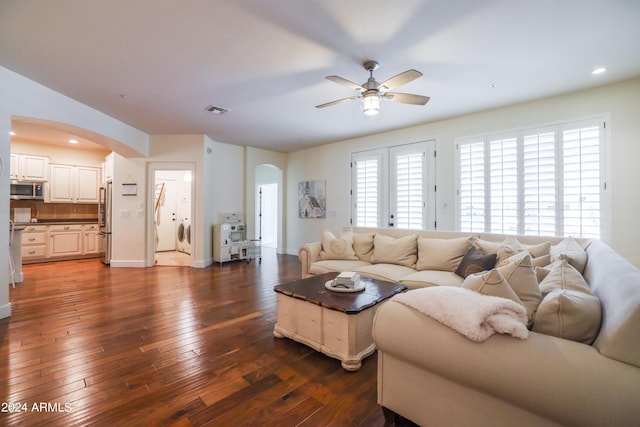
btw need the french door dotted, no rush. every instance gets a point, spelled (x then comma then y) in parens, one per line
(394, 187)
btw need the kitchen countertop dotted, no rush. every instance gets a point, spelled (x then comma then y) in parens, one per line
(60, 221)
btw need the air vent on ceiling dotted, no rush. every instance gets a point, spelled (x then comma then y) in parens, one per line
(214, 109)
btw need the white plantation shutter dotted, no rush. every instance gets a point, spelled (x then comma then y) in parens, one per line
(503, 185)
(407, 189)
(539, 183)
(581, 181)
(367, 176)
(472, 186)
(546, 181)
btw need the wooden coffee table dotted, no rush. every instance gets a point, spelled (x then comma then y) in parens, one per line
(337, 324)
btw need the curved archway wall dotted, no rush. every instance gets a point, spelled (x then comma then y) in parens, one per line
(256, 157)
(27, 99)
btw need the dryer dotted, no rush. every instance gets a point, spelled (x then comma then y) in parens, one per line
(183, 236)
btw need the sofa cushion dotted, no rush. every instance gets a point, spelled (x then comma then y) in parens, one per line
(426, 278)
(474, 261)
(511, 249)
(569, 314)
(570, 250)
(363, 245)
(564, 276)
(441, 254)
(389, 250)
(569, 309)
(491, 283)
(388, 272)
(337, 247)
(522, 279)
(328, 266)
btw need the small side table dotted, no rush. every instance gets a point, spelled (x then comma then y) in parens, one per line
(336, 324)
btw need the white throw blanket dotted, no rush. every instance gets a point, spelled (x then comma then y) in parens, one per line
(468, 312)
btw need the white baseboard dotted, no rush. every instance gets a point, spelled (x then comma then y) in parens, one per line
(294, 252)
(127, 263)
(5, 310)
(203, 263)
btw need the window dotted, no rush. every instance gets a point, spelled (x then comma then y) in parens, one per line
(393, 187)
(546, 181)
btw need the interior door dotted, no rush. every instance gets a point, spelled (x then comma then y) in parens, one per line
(166, 218)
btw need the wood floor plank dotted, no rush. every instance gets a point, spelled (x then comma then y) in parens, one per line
(169, 346)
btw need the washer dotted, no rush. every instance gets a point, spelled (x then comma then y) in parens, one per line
(183, 236)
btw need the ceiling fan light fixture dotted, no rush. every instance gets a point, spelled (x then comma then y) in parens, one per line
(371, 103)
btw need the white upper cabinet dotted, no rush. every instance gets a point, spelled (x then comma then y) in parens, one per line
(107, 171)
(73, 184)
(26, 167)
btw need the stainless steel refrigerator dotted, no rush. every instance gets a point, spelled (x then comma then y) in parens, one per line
(104, 219)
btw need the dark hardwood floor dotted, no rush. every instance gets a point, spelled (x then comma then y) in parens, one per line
(93, 345)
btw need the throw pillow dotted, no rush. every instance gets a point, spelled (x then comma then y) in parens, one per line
(508, 248)
(522, 279)
(400, 251)
(571, 251)
(337, 248)
(441, 254)
(569, 314)
(486, 246)
(564, 276)
(363, 245)
(491, 283)
(475, 261)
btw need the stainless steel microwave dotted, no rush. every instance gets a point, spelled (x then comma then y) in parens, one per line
(22, 190)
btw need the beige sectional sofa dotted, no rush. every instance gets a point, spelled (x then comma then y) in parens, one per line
(435, 376)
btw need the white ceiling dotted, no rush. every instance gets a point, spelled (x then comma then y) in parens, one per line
(156, 65)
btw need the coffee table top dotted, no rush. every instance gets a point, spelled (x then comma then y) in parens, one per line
(312, 289)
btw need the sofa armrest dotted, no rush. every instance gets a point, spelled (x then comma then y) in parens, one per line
(307, 254)
(568, 382)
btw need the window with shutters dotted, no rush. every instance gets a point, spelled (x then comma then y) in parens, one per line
(394, 187)
(544, 181)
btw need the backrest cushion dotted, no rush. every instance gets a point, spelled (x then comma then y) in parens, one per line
(363, 245)
(389, 250)
(441, 254)
(571, 251)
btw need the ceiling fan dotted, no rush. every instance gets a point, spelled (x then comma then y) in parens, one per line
(372, 92)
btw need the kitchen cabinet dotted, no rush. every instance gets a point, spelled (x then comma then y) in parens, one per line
(73, 184)
(34, 243)
(91, 241)
(27, 167)
(65, 240)
(107, 168)
(53, 242)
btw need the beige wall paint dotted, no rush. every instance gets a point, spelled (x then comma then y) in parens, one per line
(621, 101)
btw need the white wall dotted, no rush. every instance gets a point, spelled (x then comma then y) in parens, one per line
(621, 100)
(26, 98)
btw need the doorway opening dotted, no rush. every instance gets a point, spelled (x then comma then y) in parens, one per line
(268, 202)
(173, 217)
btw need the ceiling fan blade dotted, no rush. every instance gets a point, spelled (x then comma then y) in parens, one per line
(400, 79)
(345, 82)
(339, 101)
(407, 98)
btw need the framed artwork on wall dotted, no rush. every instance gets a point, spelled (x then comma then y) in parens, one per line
(311, 199)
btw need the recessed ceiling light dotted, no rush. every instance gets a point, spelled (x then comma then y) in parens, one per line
(599, 70)
(73, 141)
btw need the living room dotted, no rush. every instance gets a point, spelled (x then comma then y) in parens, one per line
(225, 165)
